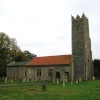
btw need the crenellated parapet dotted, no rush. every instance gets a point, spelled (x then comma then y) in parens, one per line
(80, 17)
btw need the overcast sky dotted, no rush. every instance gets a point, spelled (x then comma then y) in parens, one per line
(44, 26)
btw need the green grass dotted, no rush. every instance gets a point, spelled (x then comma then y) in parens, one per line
(87, 90)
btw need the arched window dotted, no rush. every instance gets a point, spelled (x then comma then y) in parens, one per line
(50, 72)
(38, 72)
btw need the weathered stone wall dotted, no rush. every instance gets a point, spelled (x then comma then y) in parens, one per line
(44, 72)
(22, 72)
(17, 72)
(31, 72)
(81, 48)
(12, 72)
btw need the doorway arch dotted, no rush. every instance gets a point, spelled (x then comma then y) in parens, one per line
(58, 75)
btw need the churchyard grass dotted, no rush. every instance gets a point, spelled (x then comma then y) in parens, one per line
(87, 90)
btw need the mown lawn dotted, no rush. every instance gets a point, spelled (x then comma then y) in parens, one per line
(87, 90)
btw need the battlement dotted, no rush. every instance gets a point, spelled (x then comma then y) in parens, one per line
(83, 17)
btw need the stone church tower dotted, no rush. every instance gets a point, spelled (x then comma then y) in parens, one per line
(81, 49)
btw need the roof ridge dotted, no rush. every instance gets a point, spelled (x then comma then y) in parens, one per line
(55, 55)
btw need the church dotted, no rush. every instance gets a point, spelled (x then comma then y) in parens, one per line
(70, 67)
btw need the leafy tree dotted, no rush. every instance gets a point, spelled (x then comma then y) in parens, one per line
(20, 56)
(24, 56)
(29, 54)
(8, 50)
(4, 49)
(14, 50)
(96, 64)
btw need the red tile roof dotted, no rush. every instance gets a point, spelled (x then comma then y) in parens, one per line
(50, 60)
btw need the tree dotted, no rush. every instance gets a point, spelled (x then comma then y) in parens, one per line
(24, 56)
(29, 54)
(20, 56)
(4, 49)
(14, 49)
(8, 50)
(96, 64)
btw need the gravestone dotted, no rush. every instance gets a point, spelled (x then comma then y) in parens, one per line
(57, 80)
(76, 81)
(24, 79)
(64, 83)
(11, 80)
(45, 79)
(27, 79)
(5, 80)
(93, 78)
(66, 80)
(72, 82)
(86, 78)
(80, 80)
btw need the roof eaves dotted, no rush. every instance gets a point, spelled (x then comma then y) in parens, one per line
(49, 65)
